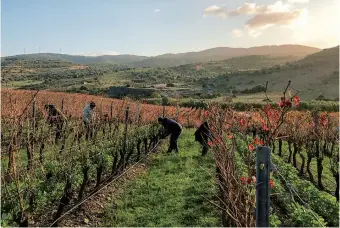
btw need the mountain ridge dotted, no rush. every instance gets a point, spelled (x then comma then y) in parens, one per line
(176, 59)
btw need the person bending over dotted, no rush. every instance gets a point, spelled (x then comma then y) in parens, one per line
(202, 136)
(56, 118)
(171, 127)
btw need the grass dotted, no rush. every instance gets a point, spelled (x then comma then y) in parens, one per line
(174, 192)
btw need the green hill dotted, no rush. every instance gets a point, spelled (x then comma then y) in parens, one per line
(167, 60)
(313, 75)
(222, 53)
(78, 59)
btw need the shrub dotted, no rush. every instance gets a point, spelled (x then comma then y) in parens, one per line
(255, 89)
(165, 101)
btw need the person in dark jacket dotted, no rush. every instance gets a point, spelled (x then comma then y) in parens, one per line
(202, 135)
(171, 127)
(56, 118)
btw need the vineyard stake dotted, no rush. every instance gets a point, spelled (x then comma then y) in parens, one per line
(67, 101)
(163, 111)
(33, 114)
(62, 105)
(125, 133)
(101, 110)
(262, 186)
(111, 113)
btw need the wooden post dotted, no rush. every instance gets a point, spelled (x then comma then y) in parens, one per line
(62, 105)
(34, 114)
(137, 112)
(111, 111)
(262, 186)
(125, 135)
(163, 111)
(67, 101)
(101, 110)
(177, 113)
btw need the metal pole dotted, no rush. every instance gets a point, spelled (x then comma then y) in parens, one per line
(262, 186)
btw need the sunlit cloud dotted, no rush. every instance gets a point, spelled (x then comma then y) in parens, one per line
(215, 10)
(298, 1)
(156, 10)
(262, 16)
(236, 33)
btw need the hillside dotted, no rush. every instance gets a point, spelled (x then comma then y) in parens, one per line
(167, 60)
(222, 53)
(78, 59)
(314, 76)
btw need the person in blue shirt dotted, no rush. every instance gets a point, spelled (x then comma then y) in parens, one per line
(88, 119)
(171, 127)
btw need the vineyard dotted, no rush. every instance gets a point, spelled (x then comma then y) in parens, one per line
(48, 173)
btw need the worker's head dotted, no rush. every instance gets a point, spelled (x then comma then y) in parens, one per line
(160, 119)
(50, 107)
(92, 105)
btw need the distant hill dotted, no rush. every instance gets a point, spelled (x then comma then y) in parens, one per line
(242, 63)
(168, 60)
(222, 53)
(78, 59)
(315, 75)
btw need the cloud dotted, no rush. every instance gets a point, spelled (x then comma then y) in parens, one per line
(93, 54)
(263, 16)
(266, 20)
(215, 10)
(298, 1)
(247, 9)
(156, 10)
(236, 33)
(254, 33)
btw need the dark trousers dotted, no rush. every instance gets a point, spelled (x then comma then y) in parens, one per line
(205, 146)
(174, 141)
(89, 131)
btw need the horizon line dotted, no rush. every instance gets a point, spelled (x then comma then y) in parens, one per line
(150, 56)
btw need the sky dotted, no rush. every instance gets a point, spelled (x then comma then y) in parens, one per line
(154, 27)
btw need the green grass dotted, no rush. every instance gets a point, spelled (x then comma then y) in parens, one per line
(175, 191)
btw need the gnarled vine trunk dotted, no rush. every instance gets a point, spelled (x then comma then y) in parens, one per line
(294, 154)
(302, 163)
(85, 180)
(290, 152)
(319, 159)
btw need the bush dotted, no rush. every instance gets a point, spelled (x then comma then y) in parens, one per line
(155, 95)
(165, 101)
(255, 89)
(83, 88)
